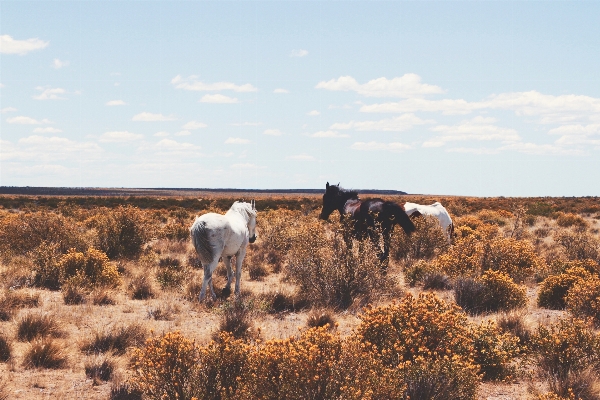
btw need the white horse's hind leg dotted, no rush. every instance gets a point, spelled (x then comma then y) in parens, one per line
(239, 258)
(208, 270)
(227, 261)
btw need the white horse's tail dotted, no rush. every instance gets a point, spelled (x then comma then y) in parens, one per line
(201, 243)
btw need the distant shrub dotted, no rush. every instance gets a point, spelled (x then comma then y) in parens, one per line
(46, 353)
(583, 300)
(436, 281)
(121, 231)
(22, 233)
(492, 217)
(578, 245)
(540, 209)
(141, 287)
(416, 272)
(553, 289)
(171, 273)
(569, 219)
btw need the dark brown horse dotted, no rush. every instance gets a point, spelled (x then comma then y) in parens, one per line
(372, 218)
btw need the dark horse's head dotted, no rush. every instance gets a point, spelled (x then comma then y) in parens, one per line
(331, 200)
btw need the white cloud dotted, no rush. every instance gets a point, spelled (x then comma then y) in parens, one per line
(246, 123)
(149, 117)
(577, 140)
(194, 125)
(377, 146)
(47, 130)
(329, 134)
(232, 140)
(445, 106)
(50, 93)
(8, 109)
(246, 166)
(590, 129)
(192, 83)
(299, 53)
(171, 148)
(116, 103)
(161, 134)
(301, 157)
(42, 149)
(408, 85)
(218, 98)
(8, 45)
(396, 124)
(119, 137)
(281, 91)
(540, 149)
(22, 120)
(183, 133)
(58, 64)
(272, 132)
(313, 113)
(473, 150)
(478, 128)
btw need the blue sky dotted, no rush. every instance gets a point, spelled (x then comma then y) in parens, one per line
(465, 98)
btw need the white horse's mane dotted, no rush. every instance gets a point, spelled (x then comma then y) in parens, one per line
(245, 209)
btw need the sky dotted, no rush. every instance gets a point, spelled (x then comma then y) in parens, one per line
(479, 98)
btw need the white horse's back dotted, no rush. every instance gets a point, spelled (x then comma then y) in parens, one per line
(435, 210)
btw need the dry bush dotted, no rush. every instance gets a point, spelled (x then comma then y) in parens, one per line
(121, 231)
(583, 299)
(462, 259)
(102, 297)
(278, 302)
(493, 291)
(319, 318)
(164, 312)
(235, 319)
(499, 217)
(45, 353)
(278, 231)
(5, 349)
(22, 233)
(578, 244)
(12, 300)
(514, 324)
(124, 391)
(100, 368)
(330, 273)
(35, 325)
(436, 281)
(495, 351)
(426, 242)
(73, 293)
(415, 273)
(517, 258)
(141, 287)
(171, 272)
(115, 339)
(553, 290)
(564, 352)
(46, 270)
(257, 271)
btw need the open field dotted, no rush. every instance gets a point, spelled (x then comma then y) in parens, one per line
(86, 280)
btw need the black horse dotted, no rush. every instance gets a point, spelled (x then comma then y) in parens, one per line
(369, 218)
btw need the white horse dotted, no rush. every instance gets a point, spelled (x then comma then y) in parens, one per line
(435, 210)
(215, 236)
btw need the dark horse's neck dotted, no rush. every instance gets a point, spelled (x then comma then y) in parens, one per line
(344, 196)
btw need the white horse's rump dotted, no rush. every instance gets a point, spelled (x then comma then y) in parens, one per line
(215, 236)
(435, 210)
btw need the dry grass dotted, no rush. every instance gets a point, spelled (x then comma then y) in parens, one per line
(35, 325)
(45, 353)
(115, 339)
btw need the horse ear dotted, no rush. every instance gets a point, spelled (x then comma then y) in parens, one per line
(338, 185)
(327, 185)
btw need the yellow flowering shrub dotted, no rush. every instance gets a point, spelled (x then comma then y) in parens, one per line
(569, 219)
(294, 368)
(495, 352)
(502, 293)
(583, 300)
(427, 241)
(517, 258)
(120, 231)
(553, 290)
(92, 268)
(463, 258)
